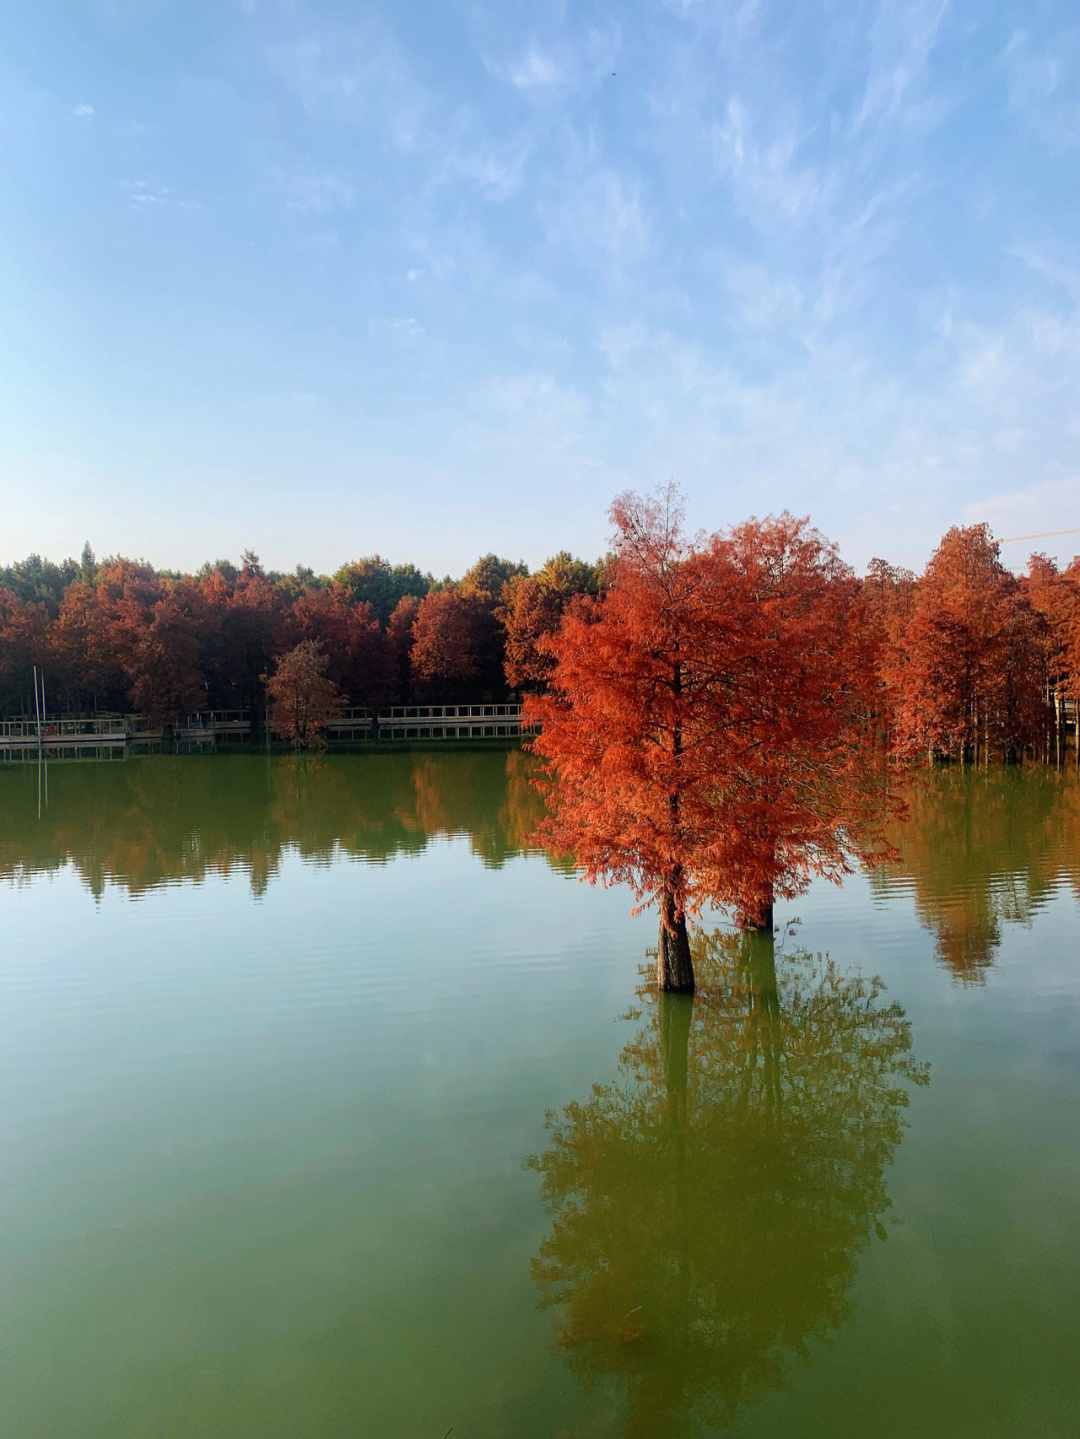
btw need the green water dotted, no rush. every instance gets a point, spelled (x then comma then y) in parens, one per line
(328, 1107)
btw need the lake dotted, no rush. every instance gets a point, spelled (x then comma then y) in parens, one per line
(330, 1107)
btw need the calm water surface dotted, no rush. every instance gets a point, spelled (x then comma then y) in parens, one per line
(328, 1108)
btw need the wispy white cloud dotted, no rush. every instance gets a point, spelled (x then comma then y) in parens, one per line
(1044, 86)
(84, 109)
(318, 193)
(357, 73)
(764, 301)
(388, 328)
(617, 343)
(533, 425)
(143, 194)
(359, 76)
(897, 85)
(1059, 273)
(765, 174)
(601, 212)
(530, 391)
(534, 68)
(569, 62)
(497, 170)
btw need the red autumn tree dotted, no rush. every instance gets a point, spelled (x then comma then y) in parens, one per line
(966, 670)
(806, 786)
(704, 728)
(165, 679)
(888, 594)
(302, 699)
(399, 646)
(1056, 597)
(455, 646)
(87, 672)
(126, 594)
(1071, 577)
(351, 638)
(243, 634)
(152, 631)
(532, 608)
(23, 644)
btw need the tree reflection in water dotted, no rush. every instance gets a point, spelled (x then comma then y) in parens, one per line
(708, 1207)
(981, 849)
(142, 823)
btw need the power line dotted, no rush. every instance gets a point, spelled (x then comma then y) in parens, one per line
(1043, 535)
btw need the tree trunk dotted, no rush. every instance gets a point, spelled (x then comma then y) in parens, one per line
(674, 967)
(765, 917)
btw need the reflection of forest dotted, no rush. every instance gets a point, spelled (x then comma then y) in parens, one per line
(152, 821)
(708, 1206)
(983, 848)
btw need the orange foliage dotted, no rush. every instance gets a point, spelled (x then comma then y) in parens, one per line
(704, 731)
(1056, 596)
(151, 630)
(532, 608)
(23, 629)
(967, 669)
(399, 645)
(302, 698)
(351, 638)
(454, 645)
(85, 663)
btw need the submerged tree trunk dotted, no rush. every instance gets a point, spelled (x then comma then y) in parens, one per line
(674, 967)
(675, 1012)
(763, 1028)
(758, 961)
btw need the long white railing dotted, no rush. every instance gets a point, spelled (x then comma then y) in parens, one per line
(463, 721)
(471, 721)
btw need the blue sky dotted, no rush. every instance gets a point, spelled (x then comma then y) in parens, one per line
(436, 279)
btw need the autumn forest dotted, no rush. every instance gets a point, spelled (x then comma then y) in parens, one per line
(966, 659)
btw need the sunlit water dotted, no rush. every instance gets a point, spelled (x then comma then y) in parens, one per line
(286, 1051)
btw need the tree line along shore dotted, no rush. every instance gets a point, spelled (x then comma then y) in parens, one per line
(968, 660)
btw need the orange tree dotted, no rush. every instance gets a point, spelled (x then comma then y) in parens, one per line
(967, 670)
(302, 699)
(704, 730)
(455, 647)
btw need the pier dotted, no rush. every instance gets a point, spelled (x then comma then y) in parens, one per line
(118, 734)
(407, 722)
